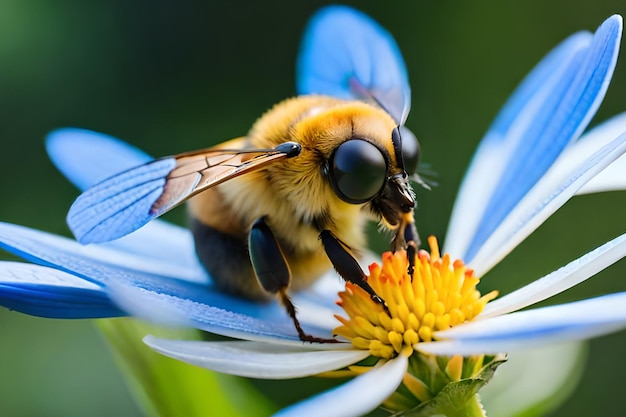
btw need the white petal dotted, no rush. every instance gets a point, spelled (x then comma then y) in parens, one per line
(522, 330)
(612, 178)
(355, 398)
(550, 193)
(257, 359)
(560, 280)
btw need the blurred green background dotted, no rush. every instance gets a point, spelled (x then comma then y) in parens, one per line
(171, 77)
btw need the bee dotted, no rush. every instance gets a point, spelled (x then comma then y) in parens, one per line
(275, 209)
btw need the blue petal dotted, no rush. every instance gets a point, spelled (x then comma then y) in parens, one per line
(496, 150)
(201, 306)
(562, 117)
(553, 190)
(207, 310)
(346, 54)
(87, 158)
(119, 205)
(534, 83)
(47, 292)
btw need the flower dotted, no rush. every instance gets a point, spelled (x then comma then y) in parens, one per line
(503, 199)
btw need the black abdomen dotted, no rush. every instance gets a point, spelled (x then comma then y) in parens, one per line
(227, 260)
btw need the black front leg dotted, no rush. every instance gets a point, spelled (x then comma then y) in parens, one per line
(412, 240)
(272, 271)
(345, 264)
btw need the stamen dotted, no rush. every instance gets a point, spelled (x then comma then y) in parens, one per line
(442, 294)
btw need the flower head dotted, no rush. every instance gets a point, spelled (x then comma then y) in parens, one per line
(529, 164)
(440, 295)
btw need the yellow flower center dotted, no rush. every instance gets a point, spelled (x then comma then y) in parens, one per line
(440, 295)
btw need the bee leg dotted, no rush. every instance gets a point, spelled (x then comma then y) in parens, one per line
(345, 264)
(412, 240)
(273, 273)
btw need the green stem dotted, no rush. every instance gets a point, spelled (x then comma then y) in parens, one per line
(164, 387)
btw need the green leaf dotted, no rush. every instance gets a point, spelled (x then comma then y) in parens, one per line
(164, 387)
(458, 398)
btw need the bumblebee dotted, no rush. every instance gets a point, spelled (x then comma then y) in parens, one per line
(291, 198)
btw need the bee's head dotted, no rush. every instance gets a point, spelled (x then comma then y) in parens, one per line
(360, 172)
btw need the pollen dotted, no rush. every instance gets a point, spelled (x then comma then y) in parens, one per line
(441, 294)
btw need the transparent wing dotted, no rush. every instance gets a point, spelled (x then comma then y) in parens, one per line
(127, 201)
(346, 54)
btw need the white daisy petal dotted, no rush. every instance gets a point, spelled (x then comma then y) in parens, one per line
(560, 280)
(522, 330)
(355, 398)
(257, 359)
(550, 193)
(612, 178)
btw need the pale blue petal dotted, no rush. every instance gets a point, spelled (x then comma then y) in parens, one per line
(208, 310)
(257, 359)
(155, 293)
(522, 330)
(554, 189)
(560, 280)
(86, 157)
(160, 242)
(46, 292)
(356, 397)
(48, 249)
(346, 54)
(496, 150)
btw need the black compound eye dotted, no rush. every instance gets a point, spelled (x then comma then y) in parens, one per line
(410, 149)
(358, 171)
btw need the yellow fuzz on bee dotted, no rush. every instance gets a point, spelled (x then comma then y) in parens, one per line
(440, 295)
